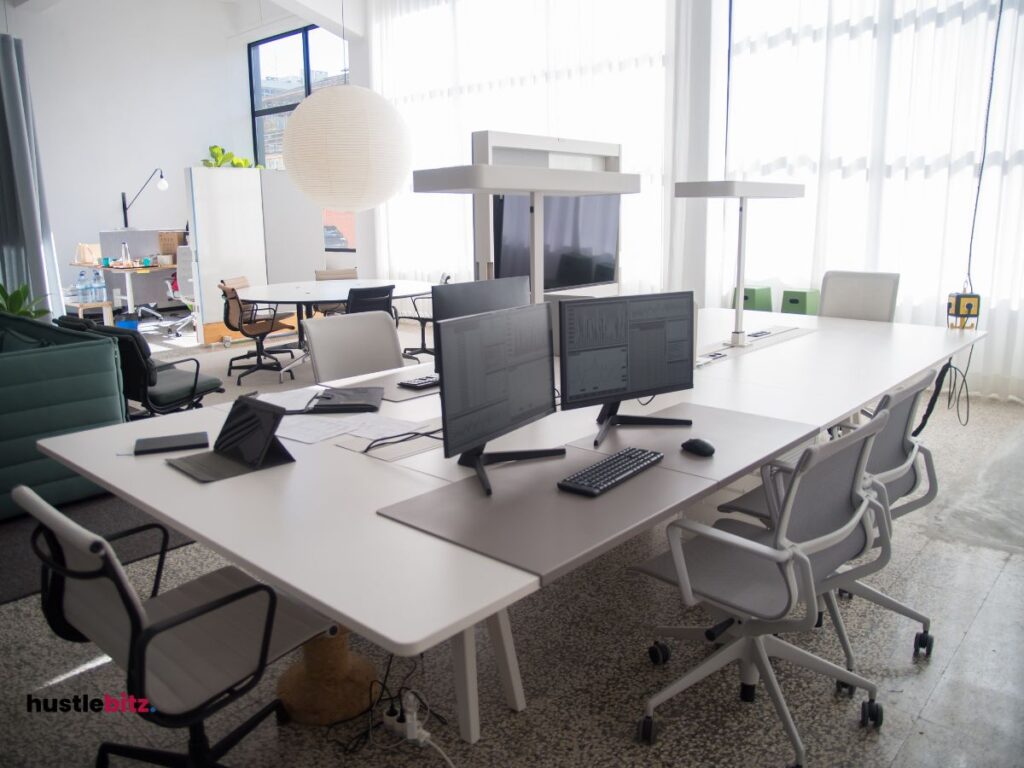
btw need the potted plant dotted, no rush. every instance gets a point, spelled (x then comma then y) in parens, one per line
(221, 158)
(18, 303)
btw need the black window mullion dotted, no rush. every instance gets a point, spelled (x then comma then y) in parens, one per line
(305, 61)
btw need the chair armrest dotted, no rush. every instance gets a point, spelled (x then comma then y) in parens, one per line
(195, 376)
(164, 539)
(137, 663)
(675, 540)
(415, 303)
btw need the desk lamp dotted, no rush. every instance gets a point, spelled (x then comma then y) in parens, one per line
(125, 205)
(743, 190)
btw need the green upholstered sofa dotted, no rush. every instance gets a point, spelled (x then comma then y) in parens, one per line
(52, 381)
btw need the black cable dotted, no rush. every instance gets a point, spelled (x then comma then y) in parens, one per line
(649, 400)
(984, 150)
(958, 389)
(401, 437)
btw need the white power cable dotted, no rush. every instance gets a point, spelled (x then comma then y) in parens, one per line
(441, 752)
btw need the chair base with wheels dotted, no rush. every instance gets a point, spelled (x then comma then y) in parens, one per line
(200, 752)
(266, 360)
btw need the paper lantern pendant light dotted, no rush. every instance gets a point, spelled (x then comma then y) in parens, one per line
(347, 148)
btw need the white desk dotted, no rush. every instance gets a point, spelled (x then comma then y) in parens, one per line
(325, 291)
(311, 528)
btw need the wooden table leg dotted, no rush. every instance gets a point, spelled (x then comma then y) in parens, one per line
(108, 313)
(329, 683)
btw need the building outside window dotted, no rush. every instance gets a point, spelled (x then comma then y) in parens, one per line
(283, 70)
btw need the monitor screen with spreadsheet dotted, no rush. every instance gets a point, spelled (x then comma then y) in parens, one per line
(623, 347)
(497, 374)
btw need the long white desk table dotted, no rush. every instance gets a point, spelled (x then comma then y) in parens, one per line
(311, 528)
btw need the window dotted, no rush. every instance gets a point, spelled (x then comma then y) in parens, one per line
(283, 70)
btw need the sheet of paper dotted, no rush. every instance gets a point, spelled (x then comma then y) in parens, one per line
(292, 399)
(373, 426)
(311, 429)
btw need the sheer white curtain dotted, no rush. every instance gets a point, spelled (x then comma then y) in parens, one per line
(581, 69)
(878, 106)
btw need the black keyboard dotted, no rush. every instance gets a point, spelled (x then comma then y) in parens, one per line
(421, 382)
(607, 473)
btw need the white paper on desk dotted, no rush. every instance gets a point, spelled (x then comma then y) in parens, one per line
(373, 426)
(309, 429)
(292, 399)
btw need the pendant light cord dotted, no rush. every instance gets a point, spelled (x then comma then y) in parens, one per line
(344, 39)
(984, 148)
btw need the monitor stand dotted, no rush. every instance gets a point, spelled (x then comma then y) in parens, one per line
(477, 459)
(609, 417)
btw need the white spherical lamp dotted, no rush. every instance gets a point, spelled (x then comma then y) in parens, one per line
(347, 148)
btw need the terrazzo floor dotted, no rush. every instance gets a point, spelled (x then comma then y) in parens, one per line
(582, 649)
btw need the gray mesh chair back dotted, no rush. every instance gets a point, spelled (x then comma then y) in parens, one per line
(859, 295)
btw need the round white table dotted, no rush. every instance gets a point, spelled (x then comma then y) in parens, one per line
(305, 294)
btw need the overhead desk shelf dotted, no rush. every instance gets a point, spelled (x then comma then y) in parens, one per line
(746, 189)
(519, 179)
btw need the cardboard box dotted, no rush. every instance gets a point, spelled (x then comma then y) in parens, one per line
(169, 241)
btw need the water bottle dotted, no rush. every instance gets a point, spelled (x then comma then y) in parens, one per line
(82, 290)
(99, 286)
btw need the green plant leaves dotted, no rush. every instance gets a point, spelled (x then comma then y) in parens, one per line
(17, 302)
(221, 158)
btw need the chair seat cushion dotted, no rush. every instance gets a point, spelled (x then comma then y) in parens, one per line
(190, 663)
(728, 577)
(753, 503)
(174, 385)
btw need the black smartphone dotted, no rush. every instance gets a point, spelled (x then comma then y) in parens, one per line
(171, 443)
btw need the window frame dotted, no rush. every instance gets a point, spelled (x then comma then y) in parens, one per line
(255, 113)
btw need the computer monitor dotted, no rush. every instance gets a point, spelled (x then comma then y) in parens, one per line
(497, 374)
(618, 348)
(460, 299)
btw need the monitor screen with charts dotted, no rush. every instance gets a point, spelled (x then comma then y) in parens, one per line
(619, 348)
(497, 374)
(461, 299)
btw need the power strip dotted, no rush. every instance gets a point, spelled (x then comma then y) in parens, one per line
(409, 727)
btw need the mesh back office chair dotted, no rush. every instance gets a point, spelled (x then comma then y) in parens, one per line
(188, 652)
(349, 273)
(754, 578)
(424, 315)
(352, 345)
(376, 299)
(895, 462)
(242, 318)
(860, 295)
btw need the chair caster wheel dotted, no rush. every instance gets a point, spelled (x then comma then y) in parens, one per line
(748, 692)
(845, 689)
(871, 714)
(820, 621)
(645, 730)
(923, 642)
(842, 594)
(659, 653)
(282, 716)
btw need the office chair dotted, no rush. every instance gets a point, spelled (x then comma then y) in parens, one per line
(895, 463)
(751, 579)
(352, 344)
(349, 273)
(160, 387)
(424, 317)
(241, 318)
(371, 300)
(859, 295)
(188, 653)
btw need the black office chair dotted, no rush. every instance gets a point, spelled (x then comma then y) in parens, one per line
(159, 387)
(424, 316)
(371, 300)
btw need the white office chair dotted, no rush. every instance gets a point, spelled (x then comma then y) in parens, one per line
(859, 295)
(188, 652)
(352, 344)
(895, 463)
(752, 579)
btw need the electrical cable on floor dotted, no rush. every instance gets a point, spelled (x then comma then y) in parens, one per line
(441, 752)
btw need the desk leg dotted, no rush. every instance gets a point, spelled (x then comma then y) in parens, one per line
(466, 701)
(129, 294)
(500, 631)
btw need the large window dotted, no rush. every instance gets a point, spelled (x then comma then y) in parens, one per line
(283, 70)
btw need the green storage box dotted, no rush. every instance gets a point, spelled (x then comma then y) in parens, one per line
(759, 299)
(801, 302)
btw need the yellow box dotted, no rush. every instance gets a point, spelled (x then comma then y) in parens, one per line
(963, 309)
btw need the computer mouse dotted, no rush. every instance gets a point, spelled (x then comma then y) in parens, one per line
(698, 447)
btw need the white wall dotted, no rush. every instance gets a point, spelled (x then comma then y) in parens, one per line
(121, 87)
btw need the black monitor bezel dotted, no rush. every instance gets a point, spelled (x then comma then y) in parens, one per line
(604, 399)
(449, 452)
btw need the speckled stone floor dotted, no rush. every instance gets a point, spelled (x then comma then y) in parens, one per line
(582, 649)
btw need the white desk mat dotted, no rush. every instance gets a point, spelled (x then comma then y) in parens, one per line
(397, 394)
(395, 451)
(530, 524)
